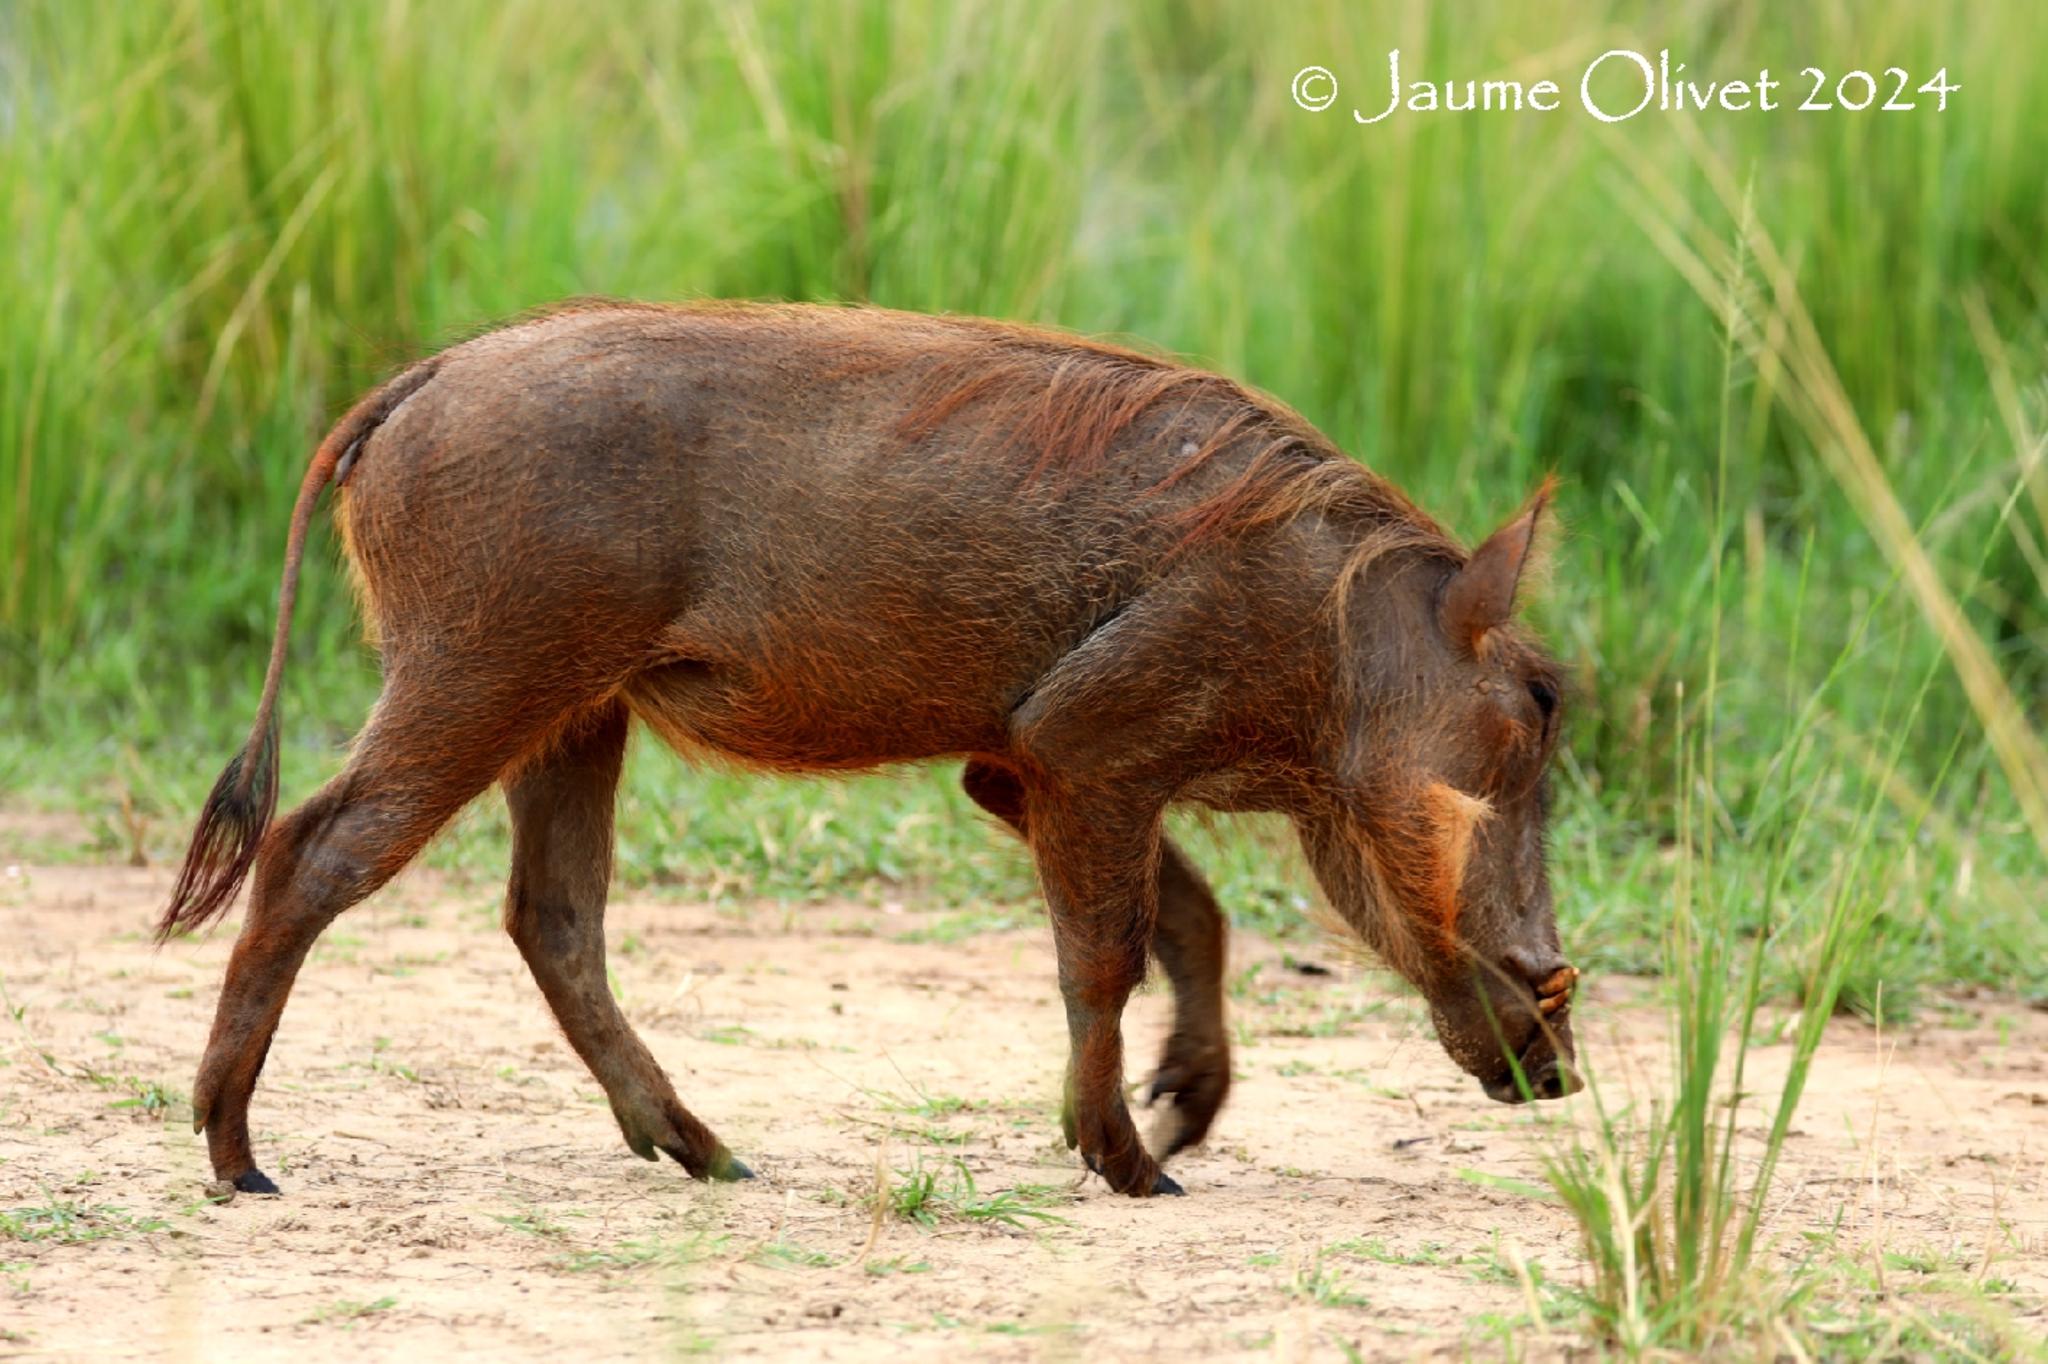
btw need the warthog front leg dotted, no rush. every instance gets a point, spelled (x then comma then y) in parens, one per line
(1098, 865)
(561, 805)
(1189, 939)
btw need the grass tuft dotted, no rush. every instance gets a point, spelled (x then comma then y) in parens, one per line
(931, 1194)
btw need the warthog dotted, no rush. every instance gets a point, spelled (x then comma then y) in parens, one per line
(819, 538)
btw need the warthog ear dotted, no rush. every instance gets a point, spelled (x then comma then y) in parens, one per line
(1480, 597)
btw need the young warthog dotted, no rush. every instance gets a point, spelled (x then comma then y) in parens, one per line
(810, 538)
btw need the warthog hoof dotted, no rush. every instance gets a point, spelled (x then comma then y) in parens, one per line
(727, 1168)
(1193, 1080)
(722, 1168)
(254, 1181)
(1161, 1182)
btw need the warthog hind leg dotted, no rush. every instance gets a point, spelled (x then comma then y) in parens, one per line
(421, 759)
(1189, 938)
(561, 803)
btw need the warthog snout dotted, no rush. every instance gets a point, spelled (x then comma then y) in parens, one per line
(1549, 1075)
(1545, 1060)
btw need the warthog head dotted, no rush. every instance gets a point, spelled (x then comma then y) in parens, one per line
(1432, 843)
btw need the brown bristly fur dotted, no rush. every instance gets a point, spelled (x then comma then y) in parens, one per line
(1398, 941)
(1064, 401)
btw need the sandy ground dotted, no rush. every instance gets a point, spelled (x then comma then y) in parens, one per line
(452, 1178)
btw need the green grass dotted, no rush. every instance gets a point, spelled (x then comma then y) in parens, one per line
(533, 1223)
(347, 1313)
(789, 1255)
(147, 1098)
(645, 1254)
(895, 1264)
(921, 1103)
(1673, 1222)
(1325, 1286)
(945, 1191)
(69, 1223)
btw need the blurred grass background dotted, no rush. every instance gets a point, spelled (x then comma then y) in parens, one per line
(224, 218)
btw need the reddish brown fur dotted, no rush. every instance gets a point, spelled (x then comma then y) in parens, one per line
(816, 539)
(1058, 404)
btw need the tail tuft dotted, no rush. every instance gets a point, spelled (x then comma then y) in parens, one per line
(230, 830)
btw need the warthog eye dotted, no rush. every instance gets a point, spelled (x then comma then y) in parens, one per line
(1546, 696)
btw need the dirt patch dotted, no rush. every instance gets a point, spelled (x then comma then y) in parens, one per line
(453, 1179)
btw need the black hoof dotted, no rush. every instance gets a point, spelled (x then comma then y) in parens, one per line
(728, 1169)
(254, 1181)
(1162, 1183)
(722, 1167)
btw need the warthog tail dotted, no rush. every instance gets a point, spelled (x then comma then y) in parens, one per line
(236, 814)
